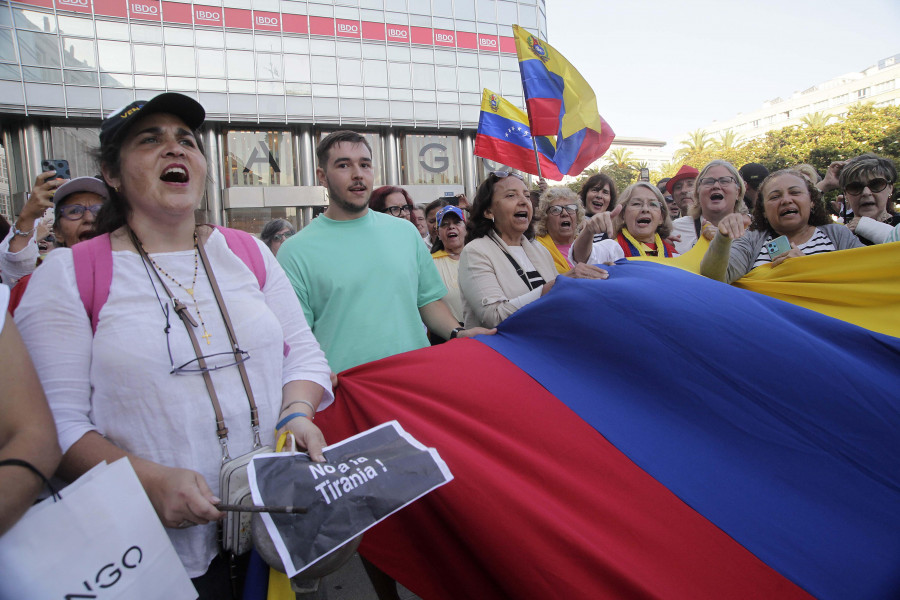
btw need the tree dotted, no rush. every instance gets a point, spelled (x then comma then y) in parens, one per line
(698, 142)
(816, 120)
(623, 176)
(622, 158)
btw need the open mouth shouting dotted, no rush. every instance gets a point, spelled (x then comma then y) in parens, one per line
(788, 211)
(565, 223)
(717, 197)
(175, 173)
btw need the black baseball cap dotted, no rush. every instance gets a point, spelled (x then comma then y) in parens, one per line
(753, 174)
(184, 107)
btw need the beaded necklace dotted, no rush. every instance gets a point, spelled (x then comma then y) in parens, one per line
(190, 290)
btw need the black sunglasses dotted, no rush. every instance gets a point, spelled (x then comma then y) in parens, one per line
(876, 185)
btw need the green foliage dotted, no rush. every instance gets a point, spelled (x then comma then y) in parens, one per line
(819, 141)
(623, 176)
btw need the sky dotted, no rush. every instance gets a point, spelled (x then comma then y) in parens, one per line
(662, 68)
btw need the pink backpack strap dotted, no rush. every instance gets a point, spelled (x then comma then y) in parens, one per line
(93, 274)
(244, 246)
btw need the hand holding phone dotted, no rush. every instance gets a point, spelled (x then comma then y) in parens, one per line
(778, 246)
(60, 165)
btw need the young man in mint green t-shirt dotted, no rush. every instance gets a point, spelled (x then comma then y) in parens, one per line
(365, 280)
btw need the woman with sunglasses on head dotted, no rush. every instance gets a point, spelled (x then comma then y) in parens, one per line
(501, 269)
(867, 182)
(75, 206)
(191, 348)
(275, 233)
(394, 201)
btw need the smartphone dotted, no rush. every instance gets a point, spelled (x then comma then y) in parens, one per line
(778, 246)
(60, 165)
(645, 174)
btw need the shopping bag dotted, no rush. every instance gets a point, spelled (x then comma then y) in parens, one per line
(101, 540)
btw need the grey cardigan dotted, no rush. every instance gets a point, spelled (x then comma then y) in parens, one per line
(745, 249)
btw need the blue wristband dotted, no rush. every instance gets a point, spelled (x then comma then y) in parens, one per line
(287, 419)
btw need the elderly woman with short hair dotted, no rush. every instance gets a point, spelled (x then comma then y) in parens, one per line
(559, 213)
(789, 205)
(868, 185)
(638, 226)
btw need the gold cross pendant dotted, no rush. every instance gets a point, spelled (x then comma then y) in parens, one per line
(206, 335)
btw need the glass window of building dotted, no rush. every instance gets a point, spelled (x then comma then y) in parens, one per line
(79, 53)
(211, 63)
(487, 11)
(464, 9)
(76, 26)
(41, 75)
(34, 21)
(506, 12)
(399, 75)
(423, 76)
(296, 68)
(238, 41)
(375, 72)
(258, 158)
(323, 47)
(350, 71)
(268, 43)
(180, 61)
(210, 39)
(252, 220)
(431, 160)
(296, 45)
(7, 47)
(240, 64)
(442, 8)
(268, 66)
(349, 49)
(146, 33)
(179, 35)
(324, 69)
(76, 144)
(114, 56)
(396, 5)
(112, 31)
(39, 49)
(148, 59)
(468, 80)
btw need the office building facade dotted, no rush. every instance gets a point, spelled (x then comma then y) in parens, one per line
(274, 76)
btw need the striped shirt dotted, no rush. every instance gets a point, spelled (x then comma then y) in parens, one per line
(817, 244)
(534, 278)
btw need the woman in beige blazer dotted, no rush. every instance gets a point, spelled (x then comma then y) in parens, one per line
(501, 269)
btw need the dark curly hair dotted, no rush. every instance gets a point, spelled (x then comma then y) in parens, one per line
(479, 225)
(599, 180)
(818, 215)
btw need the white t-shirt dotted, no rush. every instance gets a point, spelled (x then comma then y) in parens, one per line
(118, 382)
(602, 251)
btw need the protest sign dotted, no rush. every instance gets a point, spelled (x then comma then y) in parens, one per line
(365, 478)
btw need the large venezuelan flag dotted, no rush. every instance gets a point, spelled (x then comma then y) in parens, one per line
(656, 434)
(560, 102)
(504, 136)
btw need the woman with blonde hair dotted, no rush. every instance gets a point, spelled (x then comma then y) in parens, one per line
(719, 192)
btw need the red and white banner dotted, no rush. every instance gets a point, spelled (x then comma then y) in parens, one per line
(233, 18)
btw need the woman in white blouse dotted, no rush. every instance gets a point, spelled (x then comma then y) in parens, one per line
(134, 386)
(501, 269)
